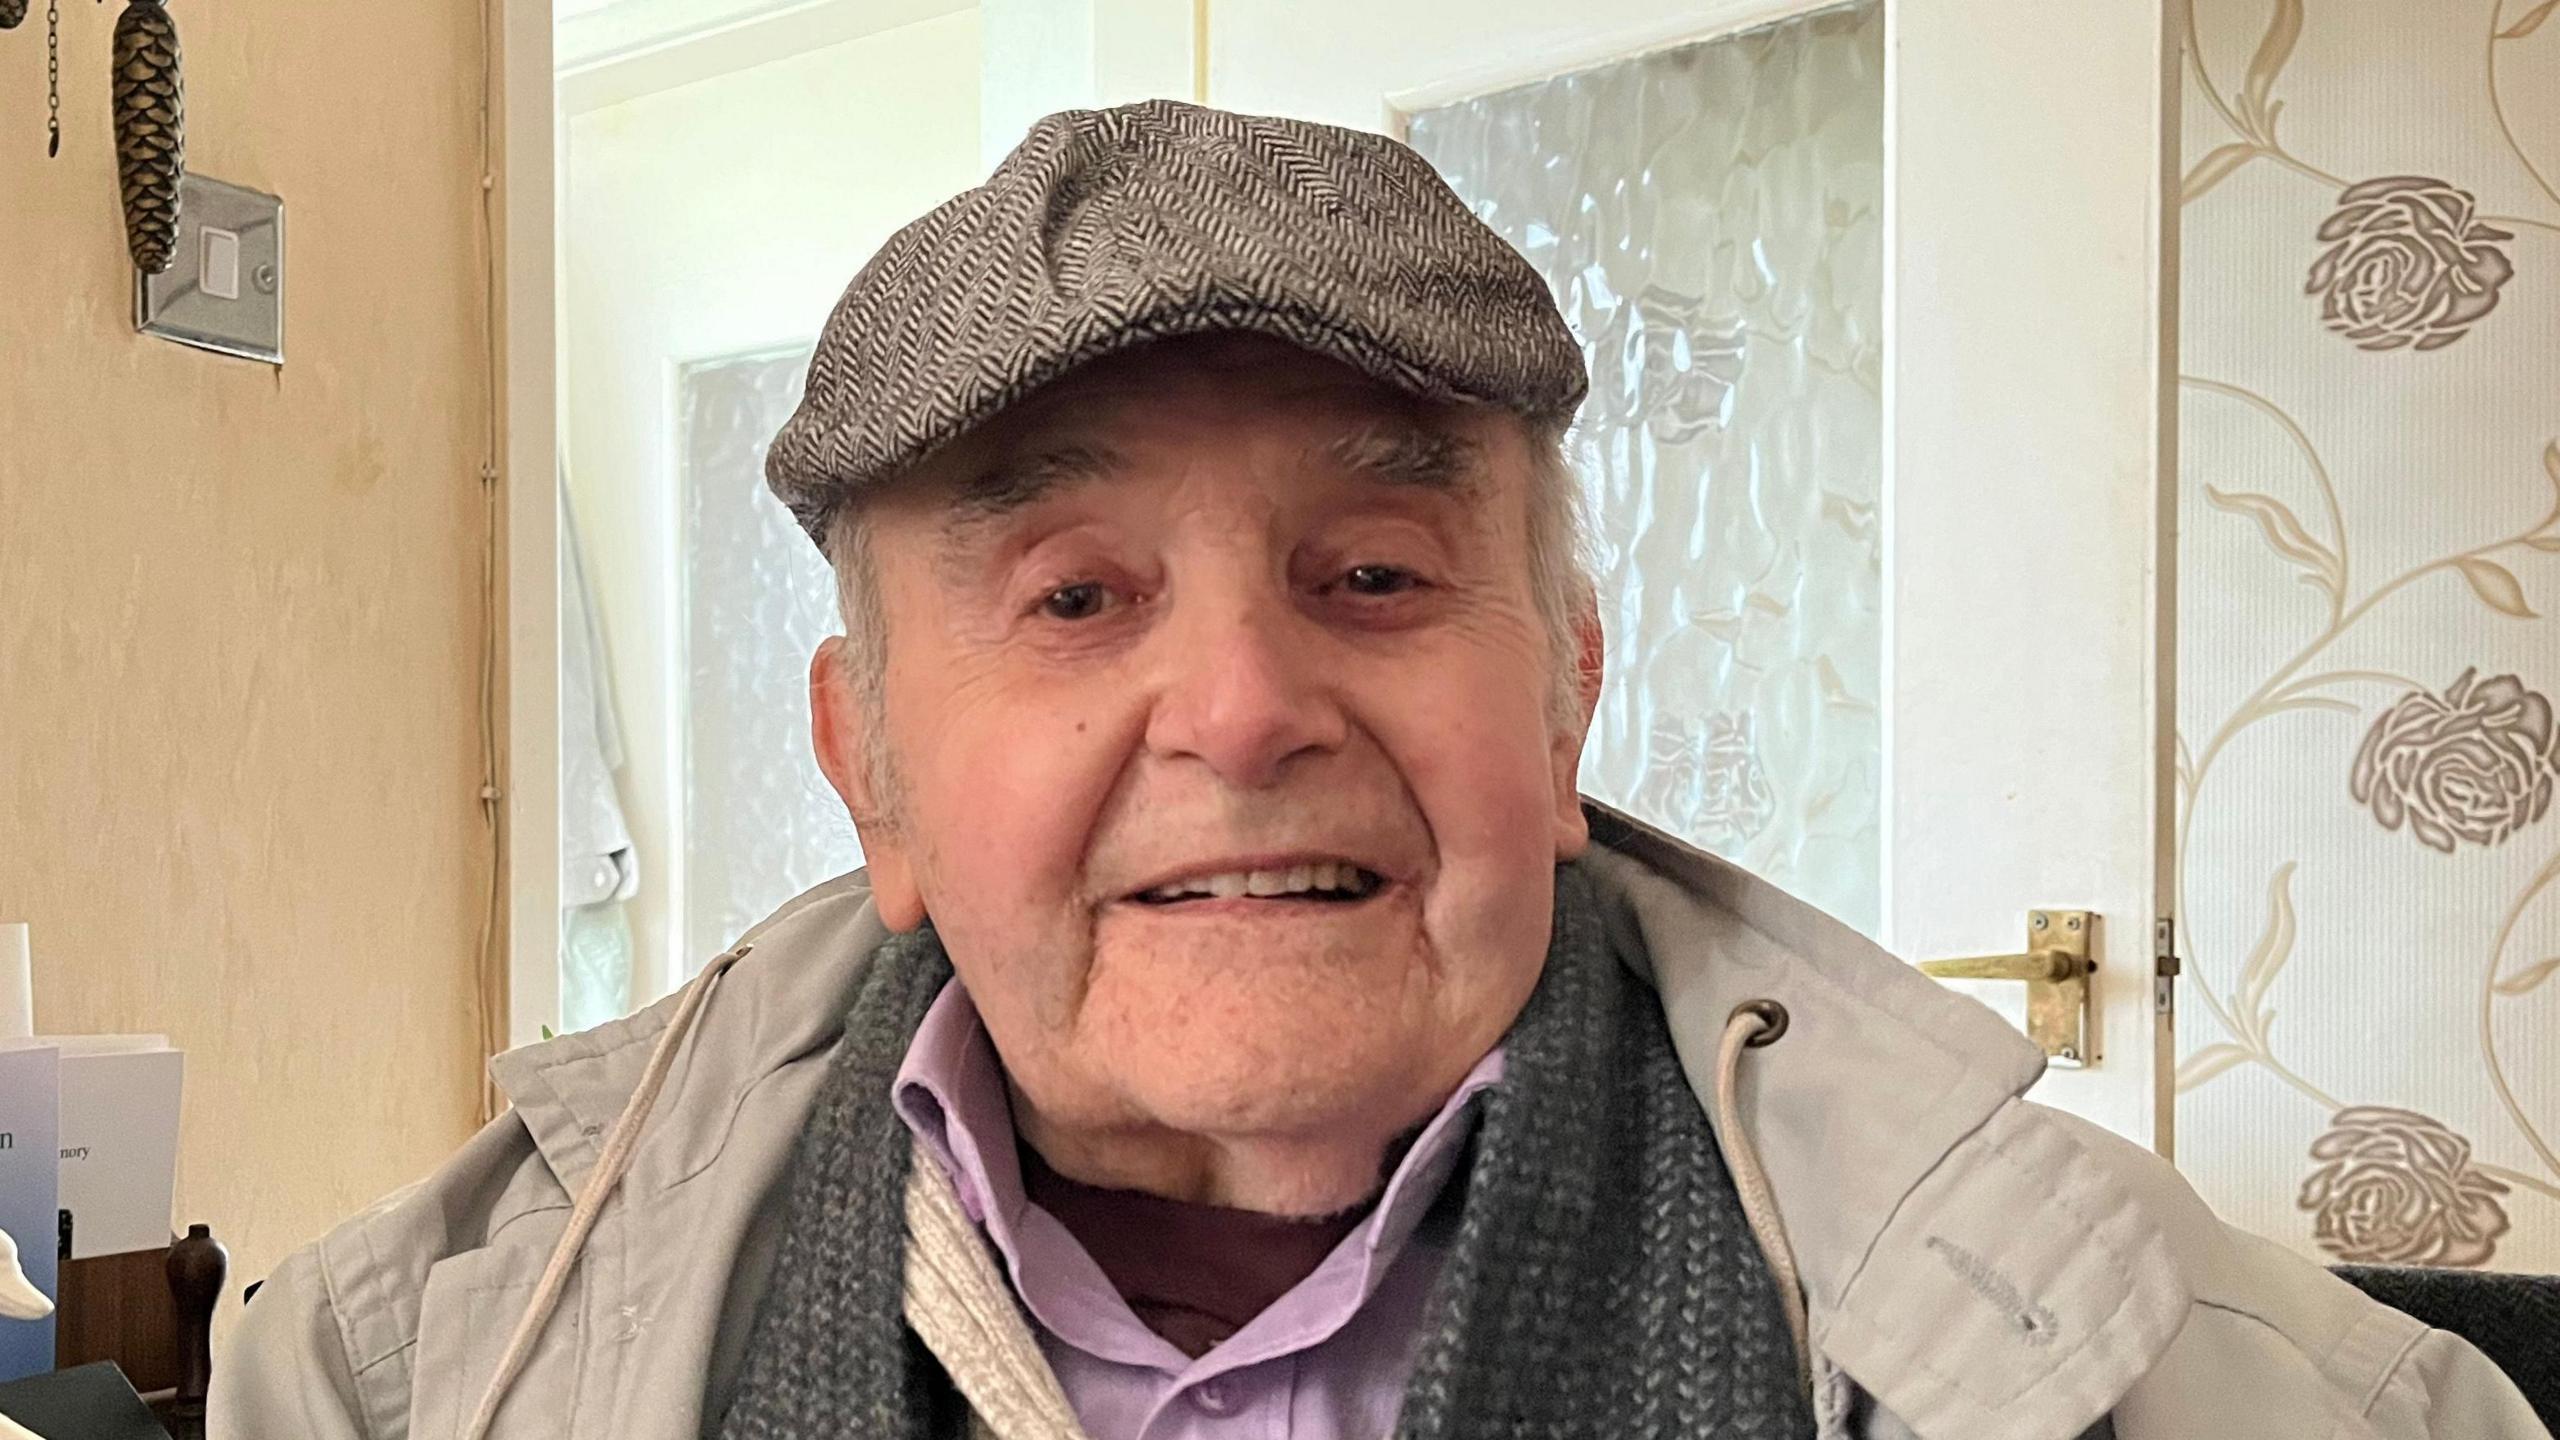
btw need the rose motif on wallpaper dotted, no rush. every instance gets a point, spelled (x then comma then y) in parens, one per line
(2407, 264)
(2476, 763)
(1705, 776)
(2394, 1187)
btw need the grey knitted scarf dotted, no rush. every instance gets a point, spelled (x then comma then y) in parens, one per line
(1601, 1280)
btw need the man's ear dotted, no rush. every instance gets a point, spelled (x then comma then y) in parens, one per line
(841, 734)
(1573, 832)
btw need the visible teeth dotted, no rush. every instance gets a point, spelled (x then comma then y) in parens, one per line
(1321, 877)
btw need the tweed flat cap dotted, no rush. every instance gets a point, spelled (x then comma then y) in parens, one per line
(1106, 229)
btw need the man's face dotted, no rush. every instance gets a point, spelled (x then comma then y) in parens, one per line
(1220, 619)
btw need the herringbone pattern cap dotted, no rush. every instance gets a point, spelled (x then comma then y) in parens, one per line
(1106, 229)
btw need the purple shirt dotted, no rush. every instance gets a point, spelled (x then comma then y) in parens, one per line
(1327, 1361)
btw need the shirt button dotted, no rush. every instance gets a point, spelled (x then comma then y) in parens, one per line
(1215, 1396)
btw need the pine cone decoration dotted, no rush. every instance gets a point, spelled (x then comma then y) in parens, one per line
(151, 131)
(11, 13)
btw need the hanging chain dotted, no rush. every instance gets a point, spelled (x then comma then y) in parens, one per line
(53, 77)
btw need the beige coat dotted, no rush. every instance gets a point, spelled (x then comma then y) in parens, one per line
(1976, 1267)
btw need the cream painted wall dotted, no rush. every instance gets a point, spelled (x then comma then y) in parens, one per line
(718, 217)
(239, 610)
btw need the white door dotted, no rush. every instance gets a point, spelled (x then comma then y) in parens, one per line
(2001, 672)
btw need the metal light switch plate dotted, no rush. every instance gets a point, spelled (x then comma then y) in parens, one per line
(224, 288)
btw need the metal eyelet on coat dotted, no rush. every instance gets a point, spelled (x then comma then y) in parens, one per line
(1772, 1017)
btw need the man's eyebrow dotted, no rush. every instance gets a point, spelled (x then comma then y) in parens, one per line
(1019, 480)
(1410, 455)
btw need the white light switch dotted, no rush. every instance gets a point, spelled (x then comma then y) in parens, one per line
(221, 268)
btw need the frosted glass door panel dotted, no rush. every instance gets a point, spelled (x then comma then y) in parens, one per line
(1710, 218)
(762, 823)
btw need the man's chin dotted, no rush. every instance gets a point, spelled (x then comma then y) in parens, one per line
(1317, 1093)
(1289, 1149)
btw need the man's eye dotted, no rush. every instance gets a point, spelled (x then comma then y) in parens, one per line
(1075, 602)
(1379, 580)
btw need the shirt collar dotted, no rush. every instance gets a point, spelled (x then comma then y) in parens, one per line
(951, 1094)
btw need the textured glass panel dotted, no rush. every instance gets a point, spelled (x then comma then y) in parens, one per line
(595, 965)
(761, 823)
(1711, 220)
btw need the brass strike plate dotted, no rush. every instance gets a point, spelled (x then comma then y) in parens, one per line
(2058, 1009)
(2055, 967)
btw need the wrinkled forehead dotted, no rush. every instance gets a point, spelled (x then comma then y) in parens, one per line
(1206, 393)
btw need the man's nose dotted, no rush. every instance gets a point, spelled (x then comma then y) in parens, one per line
(1244, 688)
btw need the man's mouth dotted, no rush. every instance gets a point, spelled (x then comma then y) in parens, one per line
(1334, 882)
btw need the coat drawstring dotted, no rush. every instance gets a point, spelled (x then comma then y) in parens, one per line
(610, 1167)
(1752, 1025)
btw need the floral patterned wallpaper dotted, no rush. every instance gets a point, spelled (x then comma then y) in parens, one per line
(2368, 859)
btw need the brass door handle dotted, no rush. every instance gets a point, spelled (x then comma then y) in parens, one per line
(2034, 965)
(2055, 966)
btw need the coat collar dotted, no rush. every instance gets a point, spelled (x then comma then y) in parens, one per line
(784, 1001)
(1881, 1073)
(1974, 1263)
(1981, 1266)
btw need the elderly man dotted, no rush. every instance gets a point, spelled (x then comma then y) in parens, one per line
(1243, 1028)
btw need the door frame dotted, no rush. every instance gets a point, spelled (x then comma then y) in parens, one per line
(536, 98)
(529, 777)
